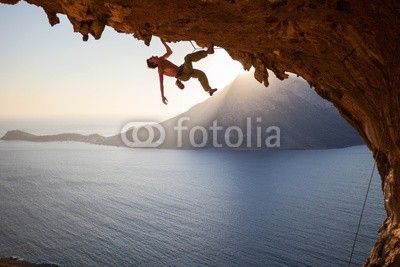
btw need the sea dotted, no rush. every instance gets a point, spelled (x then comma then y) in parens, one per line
(76, 204)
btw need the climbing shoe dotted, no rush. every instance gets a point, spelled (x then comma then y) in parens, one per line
(212, 91)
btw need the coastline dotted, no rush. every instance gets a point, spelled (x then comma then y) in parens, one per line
(15, 262)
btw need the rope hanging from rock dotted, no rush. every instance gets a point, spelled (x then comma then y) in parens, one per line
(199, 48)
(365, 199)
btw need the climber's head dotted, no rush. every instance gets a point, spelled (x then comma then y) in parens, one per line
(152, 62)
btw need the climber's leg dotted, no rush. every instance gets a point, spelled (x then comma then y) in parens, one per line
(201, 76)
(196, 56)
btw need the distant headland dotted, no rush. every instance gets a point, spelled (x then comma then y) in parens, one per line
(15, 262)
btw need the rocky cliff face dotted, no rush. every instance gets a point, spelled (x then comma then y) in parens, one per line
(347, 50)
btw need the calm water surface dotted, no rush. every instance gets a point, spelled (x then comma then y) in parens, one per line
(85, 205)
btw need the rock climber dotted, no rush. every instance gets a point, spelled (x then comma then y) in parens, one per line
(183, 72)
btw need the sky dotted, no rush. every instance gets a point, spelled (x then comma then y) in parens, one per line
(49, 74)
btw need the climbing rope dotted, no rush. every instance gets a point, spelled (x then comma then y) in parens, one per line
(199, 48)
(365, 199)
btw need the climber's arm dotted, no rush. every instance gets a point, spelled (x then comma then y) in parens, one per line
(161, 76)
(169, 51)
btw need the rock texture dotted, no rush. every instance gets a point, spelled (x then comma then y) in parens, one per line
(347, 50)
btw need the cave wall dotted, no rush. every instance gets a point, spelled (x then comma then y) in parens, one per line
(347, 50)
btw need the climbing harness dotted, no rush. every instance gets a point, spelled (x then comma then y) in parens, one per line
(365, 199)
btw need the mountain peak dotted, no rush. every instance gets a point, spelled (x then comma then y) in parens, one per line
(306, 121)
